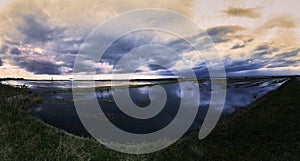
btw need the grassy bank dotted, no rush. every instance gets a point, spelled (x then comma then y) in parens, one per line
(268, 131)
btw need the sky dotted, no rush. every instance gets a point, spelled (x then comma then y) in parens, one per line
(39, 39)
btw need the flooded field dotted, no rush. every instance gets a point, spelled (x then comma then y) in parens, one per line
(58, 107)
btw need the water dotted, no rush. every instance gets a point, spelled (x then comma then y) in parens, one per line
(58, 107)
(68, 84)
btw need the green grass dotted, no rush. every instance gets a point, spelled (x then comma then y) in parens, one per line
(267, 130)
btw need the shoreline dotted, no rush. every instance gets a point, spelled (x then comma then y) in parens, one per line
(253, 104)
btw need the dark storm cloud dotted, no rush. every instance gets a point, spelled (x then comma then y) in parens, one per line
(38, 30)
(35, 31)
(15, 51)
(1, 62)
(39, 67)
(221, 34)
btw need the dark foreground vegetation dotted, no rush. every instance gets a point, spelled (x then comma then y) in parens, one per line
(267, 130)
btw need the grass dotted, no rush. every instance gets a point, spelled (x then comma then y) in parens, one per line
(267, 130)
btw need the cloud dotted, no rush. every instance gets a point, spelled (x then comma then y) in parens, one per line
(237, 46)
(288, 54)
(3, 49)
(127, 43)
(242, 12)
(262, 47)
(15, 51)
(41, 35)
(220, 34)
(104, 68)
(264, 57)
(40, 67)
(244, 65)
(281, 22)
(37, 29)
(263, 50)
(134, 40)
(280, 31)
(283, 64)
(1, 62)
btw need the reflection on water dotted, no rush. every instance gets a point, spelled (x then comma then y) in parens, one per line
(58, 106)
(68, 84)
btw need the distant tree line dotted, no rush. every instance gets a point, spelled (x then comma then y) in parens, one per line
(4, 79)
